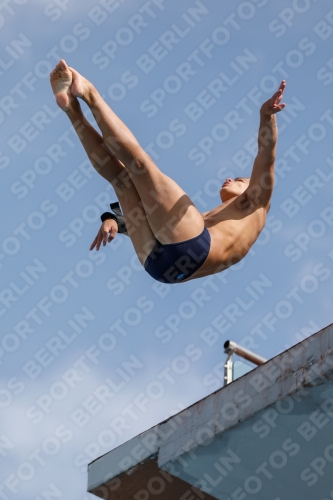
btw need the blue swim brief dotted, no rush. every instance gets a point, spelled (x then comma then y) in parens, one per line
(175, 262)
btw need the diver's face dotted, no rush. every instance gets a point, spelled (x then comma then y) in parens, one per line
(233, 187)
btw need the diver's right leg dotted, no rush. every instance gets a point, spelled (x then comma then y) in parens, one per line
(170, 212)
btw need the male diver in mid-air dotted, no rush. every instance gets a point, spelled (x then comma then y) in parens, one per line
(172, 239)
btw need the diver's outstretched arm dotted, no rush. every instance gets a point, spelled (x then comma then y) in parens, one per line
(262, 177)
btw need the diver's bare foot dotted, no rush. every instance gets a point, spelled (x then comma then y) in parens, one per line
(81, 87)
(61, 80)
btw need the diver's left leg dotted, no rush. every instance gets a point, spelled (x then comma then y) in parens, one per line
(107, 166)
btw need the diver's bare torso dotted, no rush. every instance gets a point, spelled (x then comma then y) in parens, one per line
(233, 230)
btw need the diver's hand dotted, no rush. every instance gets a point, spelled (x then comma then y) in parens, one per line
(273, 105)
(106, 233)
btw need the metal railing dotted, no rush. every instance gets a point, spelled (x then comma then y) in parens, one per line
(231, 348)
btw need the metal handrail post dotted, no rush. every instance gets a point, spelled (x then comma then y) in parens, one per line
(228, 369)
(231, 346)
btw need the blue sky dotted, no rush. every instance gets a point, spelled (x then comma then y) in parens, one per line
(93, 351)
